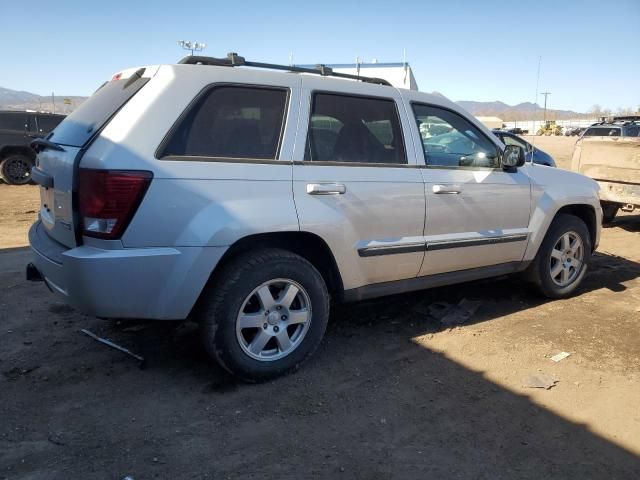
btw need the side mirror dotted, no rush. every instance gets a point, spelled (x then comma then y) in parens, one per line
(512, 157)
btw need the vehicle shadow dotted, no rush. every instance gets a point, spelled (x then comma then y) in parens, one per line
(630, 223)
(371, 403)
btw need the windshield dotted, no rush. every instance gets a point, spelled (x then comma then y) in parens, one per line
(79, 127)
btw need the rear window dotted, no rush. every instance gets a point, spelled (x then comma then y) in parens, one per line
(79, 127)
(231, 122)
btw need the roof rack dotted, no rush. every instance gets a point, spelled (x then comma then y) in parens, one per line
(235, 60)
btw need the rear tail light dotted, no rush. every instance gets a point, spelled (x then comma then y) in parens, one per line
(109, 199)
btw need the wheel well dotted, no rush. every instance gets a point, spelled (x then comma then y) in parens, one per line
(10, 150)
(587, 214)
(308, 245)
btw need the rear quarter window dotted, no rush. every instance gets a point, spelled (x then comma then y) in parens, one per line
(230, 122)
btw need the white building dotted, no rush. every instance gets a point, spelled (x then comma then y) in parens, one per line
(398, 74)
(491, 122)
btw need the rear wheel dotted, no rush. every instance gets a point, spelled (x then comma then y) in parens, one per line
(264, 314)
(16, 169)
(563, 258)
(609, 211)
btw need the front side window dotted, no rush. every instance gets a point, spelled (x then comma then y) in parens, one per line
(450, 140)
(633, 132)
(231, 122)
(354, 129)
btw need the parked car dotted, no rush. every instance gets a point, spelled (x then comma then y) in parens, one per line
(517, 131)
(17, 131)
(533, 154)
(249, 199)
(608, 152)
(613, 129)
(573, 131)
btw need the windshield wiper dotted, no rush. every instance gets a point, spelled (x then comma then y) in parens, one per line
(40, 144)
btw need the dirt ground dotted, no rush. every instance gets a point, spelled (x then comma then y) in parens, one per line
(391, 393)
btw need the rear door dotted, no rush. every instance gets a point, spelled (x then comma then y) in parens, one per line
(56, 165)
(477, 214)
(355, 181)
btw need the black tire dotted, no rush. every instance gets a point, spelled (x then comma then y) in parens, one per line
(540, 269)
(226, 294)
(16, 169)
(609, 211)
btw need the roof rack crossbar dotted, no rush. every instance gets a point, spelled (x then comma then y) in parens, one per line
(235, 60)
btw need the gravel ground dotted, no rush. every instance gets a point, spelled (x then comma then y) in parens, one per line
(391, 393)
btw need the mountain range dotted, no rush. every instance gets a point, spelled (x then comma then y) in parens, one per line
(521, 111)
(20, 100)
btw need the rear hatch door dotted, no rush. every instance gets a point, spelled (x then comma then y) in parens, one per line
(60, 153)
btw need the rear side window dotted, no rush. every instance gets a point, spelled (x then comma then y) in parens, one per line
(231, 122)
(79, 127)
(602, 132)
(354, 130)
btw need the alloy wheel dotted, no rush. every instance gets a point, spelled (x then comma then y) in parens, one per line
(273, 320)
(567, 258)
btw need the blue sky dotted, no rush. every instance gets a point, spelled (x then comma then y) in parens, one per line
(468, 50)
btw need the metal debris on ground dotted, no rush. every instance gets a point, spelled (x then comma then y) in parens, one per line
(540, 381)
(560, 356)
(438, 310)
(137, 328)
(461, 313)
(109, 343)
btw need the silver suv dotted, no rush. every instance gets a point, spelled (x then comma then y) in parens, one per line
(248, 198)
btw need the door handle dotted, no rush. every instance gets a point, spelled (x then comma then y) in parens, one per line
(326, 188)
(448, 189)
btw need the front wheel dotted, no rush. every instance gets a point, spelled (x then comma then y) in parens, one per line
(16, 169)
(264, 314)
(563, 258)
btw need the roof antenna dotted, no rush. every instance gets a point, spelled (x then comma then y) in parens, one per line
(291, 59)
(406, 67)
(535, 109)
(358, 65)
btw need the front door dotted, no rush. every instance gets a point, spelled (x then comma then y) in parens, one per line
(477, 213)
(356, 184)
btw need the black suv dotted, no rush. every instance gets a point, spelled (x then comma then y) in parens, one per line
(627, 126)
(17, 131)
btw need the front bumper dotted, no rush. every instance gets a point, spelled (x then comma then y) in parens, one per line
(150, 283)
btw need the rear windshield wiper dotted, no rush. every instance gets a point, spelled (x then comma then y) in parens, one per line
(40, 144)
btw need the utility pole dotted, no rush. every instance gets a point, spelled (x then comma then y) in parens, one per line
(192, 46)
(546, 94)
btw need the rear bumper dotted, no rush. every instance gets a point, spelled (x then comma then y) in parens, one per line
(618, 192)
(151, 283)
